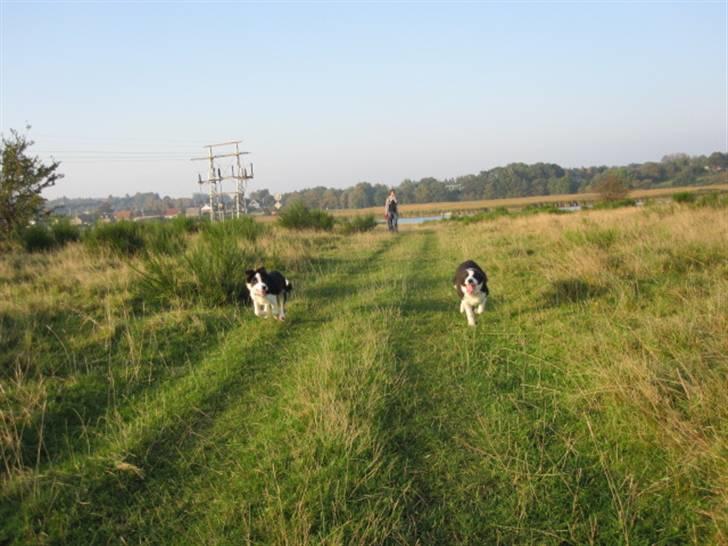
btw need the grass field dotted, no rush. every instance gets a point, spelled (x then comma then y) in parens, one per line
(588, 406)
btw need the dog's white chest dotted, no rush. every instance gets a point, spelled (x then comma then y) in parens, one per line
(260, 299)
(474, 299)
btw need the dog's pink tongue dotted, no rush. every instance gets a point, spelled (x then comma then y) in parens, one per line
(469, 289)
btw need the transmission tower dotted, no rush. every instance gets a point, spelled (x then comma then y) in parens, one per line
(238, 172)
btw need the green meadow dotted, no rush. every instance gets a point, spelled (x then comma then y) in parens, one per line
(141, 402)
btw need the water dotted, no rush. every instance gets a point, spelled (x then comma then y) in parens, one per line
(419, 219)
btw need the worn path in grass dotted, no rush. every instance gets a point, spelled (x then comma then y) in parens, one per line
(373, 415)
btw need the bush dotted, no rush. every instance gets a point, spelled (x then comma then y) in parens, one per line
(164, 237)
(237, 228)
(357, 224)
(614, 204)
(713, 199)
(481, 216)
(37, 238)
(612, 185)
(212, 272)
(684, 197)
(538, 209)
(124, 238)
(64, 232)
(42, 238)
(299, 216)
(186, 224)
(217, 269)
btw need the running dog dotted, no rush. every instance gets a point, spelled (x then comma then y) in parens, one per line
(471, 284)
(269, 292)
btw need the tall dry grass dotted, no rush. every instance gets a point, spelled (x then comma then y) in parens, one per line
(640, 299)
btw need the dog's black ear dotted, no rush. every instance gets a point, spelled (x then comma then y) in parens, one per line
(262, 270)
(249, 273)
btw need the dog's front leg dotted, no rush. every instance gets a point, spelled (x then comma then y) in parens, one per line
(271, 306)
(481, 307)
(469, 313)
(257, 309)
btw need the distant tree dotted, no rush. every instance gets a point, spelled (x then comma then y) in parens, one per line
(330, 199)
(361, 196)
(612, 185)
(556, 186)
(105, 208)
(678, 157)
(380, 194)
(22, 179)
(717, 161)
(406, 191)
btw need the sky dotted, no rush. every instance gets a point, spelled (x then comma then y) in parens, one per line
(123, 94)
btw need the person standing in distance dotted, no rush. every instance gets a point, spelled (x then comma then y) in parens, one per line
(391, 213)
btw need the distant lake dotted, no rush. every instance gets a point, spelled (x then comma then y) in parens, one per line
(419, 219)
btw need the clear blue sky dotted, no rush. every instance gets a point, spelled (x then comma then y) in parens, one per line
(336, 93)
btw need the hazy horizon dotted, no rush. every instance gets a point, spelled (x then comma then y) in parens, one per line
(256, 186)
(329, 94)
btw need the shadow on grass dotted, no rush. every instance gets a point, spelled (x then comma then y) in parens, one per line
(568, 291)
(77, 407)
(118, 497)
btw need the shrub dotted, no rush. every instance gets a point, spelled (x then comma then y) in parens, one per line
(217, 270)
(713, 199)
(186, 224)
(124, 238)
(211, 272)
(299, 216)
(237, 228)
(537, 209)
(357, 224)
(684, 197)
(481, 216)
(64, 232)
(164, 237)
(37, 238)
(612, 185)
(41, 238)
(614, 204)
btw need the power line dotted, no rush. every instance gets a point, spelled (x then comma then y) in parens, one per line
(133, 152)
(117, 160)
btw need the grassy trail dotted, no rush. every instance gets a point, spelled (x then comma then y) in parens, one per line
(374, 415)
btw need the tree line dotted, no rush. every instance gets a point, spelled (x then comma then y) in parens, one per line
(521, 180)
(513, 180)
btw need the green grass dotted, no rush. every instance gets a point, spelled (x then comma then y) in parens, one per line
(356, 224)
(588, 406)
(123, 238)
(298, 216)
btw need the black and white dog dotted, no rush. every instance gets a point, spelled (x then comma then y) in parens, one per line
(269, 292)
(471, 284)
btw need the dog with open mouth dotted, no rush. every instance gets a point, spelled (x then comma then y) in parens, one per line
(268, 291)
(471, 284)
